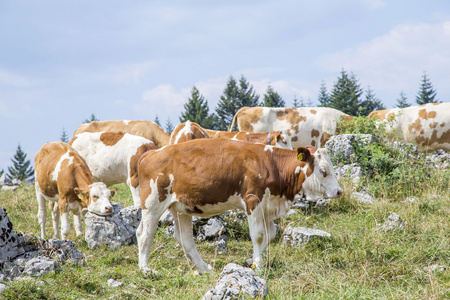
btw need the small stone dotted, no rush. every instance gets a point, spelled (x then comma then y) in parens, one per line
(394, 222)
(299, 235)
(114, 284)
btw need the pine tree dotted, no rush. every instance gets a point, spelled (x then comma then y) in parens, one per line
(169, 126)
(92, 119)
(234, 97)
(345, 94)
(21, 169)
(64, 137)
(402, 102)
(272, 98)
(295, 104)
(324, 98)
(157, 121)
(426, 92)
(197, 110)
(370, 103)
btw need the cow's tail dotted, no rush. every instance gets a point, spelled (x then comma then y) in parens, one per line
(235, 117)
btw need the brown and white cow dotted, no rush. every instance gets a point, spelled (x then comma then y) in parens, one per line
(187, 131)
(112, 157)
(426, 125)
(305, 125)
(206, 177)
(147, 129)
(190, 130)
(63, 178)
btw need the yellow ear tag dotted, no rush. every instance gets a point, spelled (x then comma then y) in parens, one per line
(300, 156)
(80, 196)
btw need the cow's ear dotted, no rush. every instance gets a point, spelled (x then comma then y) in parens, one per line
(303, 154)
(278, 137)
(311, 149)
(80, 193)
(113, 192)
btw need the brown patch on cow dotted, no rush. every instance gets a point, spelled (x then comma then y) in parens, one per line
(246, 117)
(313, 111)
(110, 138)
(315, 133)
(415, 126)
(422, 131)
(324, 138)
(73, 140)
(134, 160)
(313, 143)
(442, 124)
(294, 138)
(379, 114)
(424, 115)
(251, 201)
(292, 116)
(443, 139)
(433, 125)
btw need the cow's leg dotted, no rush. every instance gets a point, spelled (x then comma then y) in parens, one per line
(55, 219)
(42, 211)
(134, 193)
(262, 231)
(184, 236)
(77, 223)
(65, 224)
(146, 231)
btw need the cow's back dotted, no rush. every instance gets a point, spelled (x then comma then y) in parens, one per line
(187, 131)
(305, 125)
(146, 129)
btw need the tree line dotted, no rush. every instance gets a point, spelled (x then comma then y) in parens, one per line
(346, 95)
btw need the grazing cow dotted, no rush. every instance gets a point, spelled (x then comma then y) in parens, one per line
(112, 157)
(426, 125)
(305, 125)
(63, 178)
(187, 131)
(206, 177)
(147, 129)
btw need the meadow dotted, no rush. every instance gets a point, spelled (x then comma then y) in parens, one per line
(359, 261)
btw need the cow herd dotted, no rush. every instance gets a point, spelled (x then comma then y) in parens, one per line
(201, 172)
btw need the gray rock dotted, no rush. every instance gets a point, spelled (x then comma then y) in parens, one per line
(411, 199)
(237, 282)
(10, 187)
(39, 266)
(10, 247)
(298, 235)
(114, 284)
(214, 228)
(363, 197)
(3, 287)
(114, 230)
(341, 146)
(300, 204)
(3, 179)
(351, 171)
(16, 181)
(166, 218)
(394, 222)
(434, 268)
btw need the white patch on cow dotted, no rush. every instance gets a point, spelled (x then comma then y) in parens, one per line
(268, 147)
(185, 131)
(102, 205)
(317, 186)
(126, 122)
(161, 174)
(235, 137)
(259, 176)
(58, 165)
(297, 170)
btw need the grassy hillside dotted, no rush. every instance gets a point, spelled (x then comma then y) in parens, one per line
(357, 262)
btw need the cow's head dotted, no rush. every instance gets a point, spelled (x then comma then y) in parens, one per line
(96, 198)
(320, 180)
(283, 140)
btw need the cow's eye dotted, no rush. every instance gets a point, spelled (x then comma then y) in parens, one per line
(95, 197)
(323, 172)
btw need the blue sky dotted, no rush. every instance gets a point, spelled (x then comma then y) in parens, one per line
(61, 61)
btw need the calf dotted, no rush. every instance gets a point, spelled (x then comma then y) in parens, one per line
(63, 178)
(206, 177)
(112, 157)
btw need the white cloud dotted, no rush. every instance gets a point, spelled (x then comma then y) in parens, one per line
(396, 60)
(132, 73)
(163, 100)
(9, 79)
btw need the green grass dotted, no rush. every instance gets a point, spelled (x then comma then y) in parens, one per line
(357, 262)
